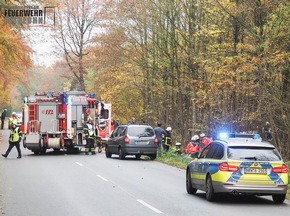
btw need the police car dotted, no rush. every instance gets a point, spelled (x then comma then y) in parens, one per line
(240, 164)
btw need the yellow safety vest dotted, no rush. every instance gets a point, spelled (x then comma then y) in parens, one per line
(13, 121)
(15, 135)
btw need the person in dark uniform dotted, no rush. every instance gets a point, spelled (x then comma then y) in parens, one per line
(14, 140)
(166, 141)
(90, 133)
(3, 116)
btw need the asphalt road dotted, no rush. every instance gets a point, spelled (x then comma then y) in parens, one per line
(81, 185)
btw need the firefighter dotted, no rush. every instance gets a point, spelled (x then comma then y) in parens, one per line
(14, 140)
(90, 133)
(13, 119)
(102, 128)
(132, 121)
(266, 135)
(117, 123)
(205, 140)
(166, 141)
(193, 147)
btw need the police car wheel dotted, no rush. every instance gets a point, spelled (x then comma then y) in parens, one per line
(279, 198)
(189, 188)
(210, 196)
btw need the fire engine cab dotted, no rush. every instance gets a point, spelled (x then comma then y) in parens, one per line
(55, 120)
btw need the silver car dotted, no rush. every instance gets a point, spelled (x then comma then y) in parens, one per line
(132, 140)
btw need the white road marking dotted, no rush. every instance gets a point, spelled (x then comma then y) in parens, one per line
(149, 206)
(79, 164)
(139, 200)
(101, 177)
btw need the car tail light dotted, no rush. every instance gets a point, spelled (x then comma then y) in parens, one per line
(226, 167)
(155, 140)
(127, 140)
(281, 169)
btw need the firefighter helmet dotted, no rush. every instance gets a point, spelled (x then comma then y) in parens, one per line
(195, 138)
(202, 135)
(169, 129)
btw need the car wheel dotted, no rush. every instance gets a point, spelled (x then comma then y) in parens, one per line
(152, 157)
(138, 157)
(189, 187)
(121, 154)
(278, 198)
(108, 154)
(210, 196)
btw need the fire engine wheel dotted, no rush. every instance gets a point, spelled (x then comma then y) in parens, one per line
(121, 154)
(42, 151)
(108, 154)
(56, 150)
(73, 150)
(24, 142)
(41, 144)
(137, 156)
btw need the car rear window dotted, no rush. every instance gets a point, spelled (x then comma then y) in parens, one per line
(253, 153)
(141, 132)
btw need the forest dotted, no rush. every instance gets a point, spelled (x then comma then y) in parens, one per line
(195, 65)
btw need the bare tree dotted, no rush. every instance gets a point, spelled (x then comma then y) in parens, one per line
(77, 23)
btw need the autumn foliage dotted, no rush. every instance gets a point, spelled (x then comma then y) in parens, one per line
(195, 65)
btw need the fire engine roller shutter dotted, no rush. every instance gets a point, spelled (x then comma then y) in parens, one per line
(46, 114)
(77, 114)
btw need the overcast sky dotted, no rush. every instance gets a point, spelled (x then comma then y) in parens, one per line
(45, 51)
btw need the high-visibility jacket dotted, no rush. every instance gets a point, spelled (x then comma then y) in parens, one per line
(190, 148)
(166, 140)
(206, 141)
(102, 132)
(89, 131)
(13, 120)
(15, 135)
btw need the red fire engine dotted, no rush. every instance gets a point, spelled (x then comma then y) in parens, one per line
(56, 120)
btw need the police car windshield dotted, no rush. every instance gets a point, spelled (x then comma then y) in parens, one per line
(253, 153)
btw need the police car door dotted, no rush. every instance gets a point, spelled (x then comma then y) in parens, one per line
(205, 162)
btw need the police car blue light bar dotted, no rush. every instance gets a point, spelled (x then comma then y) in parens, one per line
(238, 135)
